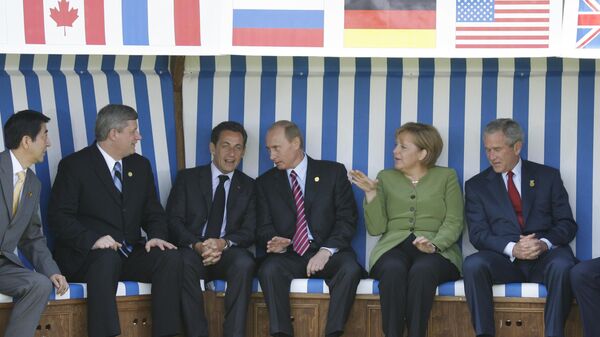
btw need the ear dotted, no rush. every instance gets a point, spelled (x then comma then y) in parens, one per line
(422, 154)
(296, 143)
(25, 142)
(212, 148)
(112, 134)
(517, 147)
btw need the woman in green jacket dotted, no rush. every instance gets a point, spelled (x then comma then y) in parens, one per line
(417, 208)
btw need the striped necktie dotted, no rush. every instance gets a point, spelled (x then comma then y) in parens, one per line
(300, 238)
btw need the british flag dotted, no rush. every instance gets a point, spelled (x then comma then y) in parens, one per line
(588, 24)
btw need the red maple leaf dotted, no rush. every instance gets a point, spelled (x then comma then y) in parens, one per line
(63, 15)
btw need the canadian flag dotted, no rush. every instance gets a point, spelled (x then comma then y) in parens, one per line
(105, 22)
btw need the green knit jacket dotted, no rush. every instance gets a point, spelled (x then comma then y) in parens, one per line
(433, 209)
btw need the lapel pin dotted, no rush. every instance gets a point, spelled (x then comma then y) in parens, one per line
(130, 174)
(316, 179)
(532, 183)
(29, 194)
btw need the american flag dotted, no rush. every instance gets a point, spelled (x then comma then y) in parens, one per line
(502, 23)
(588, 24)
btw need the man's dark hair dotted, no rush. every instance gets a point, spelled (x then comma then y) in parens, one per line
(21, 124)
(227, 126)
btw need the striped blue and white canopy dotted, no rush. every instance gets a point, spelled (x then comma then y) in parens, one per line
(348, 109)
(71, 89)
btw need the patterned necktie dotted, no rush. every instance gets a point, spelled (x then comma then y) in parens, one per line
(118, 178)
(515, 199)
(300, 238)
(17, 191)
(217, 210)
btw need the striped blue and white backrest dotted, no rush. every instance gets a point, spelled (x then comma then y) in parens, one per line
(349, 108)
(71, 89)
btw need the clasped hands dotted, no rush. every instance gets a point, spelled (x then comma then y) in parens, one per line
(316, 263)
(210, 250)
(529, 247)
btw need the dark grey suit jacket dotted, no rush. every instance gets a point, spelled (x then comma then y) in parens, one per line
(492, 219)
(328, 203)
(189, 205)
(24, 230)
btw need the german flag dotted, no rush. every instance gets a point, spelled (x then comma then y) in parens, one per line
(389, 23)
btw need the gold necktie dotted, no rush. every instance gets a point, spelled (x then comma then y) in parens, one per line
(17, 191)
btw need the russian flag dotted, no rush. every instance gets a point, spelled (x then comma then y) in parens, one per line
(278, 23)
(107, 22)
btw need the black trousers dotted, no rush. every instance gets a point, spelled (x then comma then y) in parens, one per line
(408, 279)
(104, 268)
(341, 273)
(485, 268)
(236, 266)
(585, 280)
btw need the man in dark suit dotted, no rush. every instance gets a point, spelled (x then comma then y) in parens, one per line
(585, 282)
(520, 220)
(306, 221)
(212, 217)
(101, 198)
(26, 140)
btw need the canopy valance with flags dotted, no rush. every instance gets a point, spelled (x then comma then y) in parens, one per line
(367, 28)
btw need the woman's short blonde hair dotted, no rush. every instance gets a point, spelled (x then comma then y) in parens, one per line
(426, 137)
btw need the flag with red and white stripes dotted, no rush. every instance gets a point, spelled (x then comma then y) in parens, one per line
(502, 23)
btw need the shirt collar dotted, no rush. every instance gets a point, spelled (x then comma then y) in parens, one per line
(516, 170)
(108, 159)
(216, 172)
(16, 165)
(300, 169)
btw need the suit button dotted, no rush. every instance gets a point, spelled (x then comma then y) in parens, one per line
(412, 229)
(412, 209)
(412, 196)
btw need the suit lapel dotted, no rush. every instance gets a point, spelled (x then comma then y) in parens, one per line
(499, 189)
(235, 188)
(26, 195)
(205, 185)
(282, 185)
(527, 188)
(310, 185)
(104, 175)
(6, 181)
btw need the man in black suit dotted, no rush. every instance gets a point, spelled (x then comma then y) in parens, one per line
(306, 220)
(101, 198)
(520, 220)
(212, 217)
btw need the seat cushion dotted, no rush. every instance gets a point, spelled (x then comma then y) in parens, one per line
(371, 287)
(79, 291)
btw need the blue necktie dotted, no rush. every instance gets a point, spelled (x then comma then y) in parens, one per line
(118, 178)
(125, 249)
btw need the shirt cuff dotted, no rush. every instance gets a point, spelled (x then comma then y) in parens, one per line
(548, 243)
(331, 250)
(509, 249)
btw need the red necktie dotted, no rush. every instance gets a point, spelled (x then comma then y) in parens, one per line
(515, 199)
(300, 238)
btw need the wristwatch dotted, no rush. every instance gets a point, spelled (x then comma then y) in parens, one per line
(227, 244)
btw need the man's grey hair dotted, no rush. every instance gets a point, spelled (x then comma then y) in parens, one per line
(113, 116)
(509, 128)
